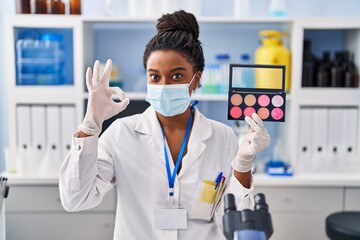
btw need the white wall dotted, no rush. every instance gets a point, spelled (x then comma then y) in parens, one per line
(258, 8)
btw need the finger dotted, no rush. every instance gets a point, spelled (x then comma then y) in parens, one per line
(118, 92)
(120, 106)
(253, 125)
(107, 73)
(256, 143)
(96, 73)
(257, 119)
(89, 83)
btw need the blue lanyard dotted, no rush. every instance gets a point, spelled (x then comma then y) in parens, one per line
(171, 177)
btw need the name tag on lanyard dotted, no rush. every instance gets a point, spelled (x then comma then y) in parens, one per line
(170, 218)
(169, 215)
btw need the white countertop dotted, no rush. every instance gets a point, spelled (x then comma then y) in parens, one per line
(16, 179)
(260, 180)
(309, 180)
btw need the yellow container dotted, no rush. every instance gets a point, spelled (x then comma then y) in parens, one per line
(272, 52)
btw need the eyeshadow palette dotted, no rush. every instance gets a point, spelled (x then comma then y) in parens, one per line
(262, 92)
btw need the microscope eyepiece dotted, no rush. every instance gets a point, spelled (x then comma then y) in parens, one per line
(229, 202)
(260, 202)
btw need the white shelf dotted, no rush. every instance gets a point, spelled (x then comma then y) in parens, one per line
(111, 19)
(197, 96)
(329, 96)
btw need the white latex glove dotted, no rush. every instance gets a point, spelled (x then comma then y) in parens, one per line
(253, 142)
(100, 105)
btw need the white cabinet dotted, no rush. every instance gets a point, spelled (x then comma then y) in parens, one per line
(299, 212)
(352, 199)
(123, 40)
(30, 61)
(325, 34)
(35, 212)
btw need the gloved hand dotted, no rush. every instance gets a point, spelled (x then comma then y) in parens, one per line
(253, 142)
(100, 105)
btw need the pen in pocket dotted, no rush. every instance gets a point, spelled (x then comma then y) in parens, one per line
(218, 180)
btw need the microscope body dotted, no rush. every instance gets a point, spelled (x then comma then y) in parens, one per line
(247, 224)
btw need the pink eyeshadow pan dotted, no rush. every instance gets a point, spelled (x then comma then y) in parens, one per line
(235, 112)
(263, 100)
(277, 101)
(277, 113)
(249, 111)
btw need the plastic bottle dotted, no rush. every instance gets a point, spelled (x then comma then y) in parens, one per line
(309, 66)
(241, 8)
(277, 8)
(209, 82)
(109, 8)
(56, 7)
(223, 59)
(23, 6)
(147, 8)
(193, 6)
(52, 54)
(38, 7)
(272, 52)
(247, 74)
(75, 7)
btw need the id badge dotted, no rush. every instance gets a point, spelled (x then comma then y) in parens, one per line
(170, 217)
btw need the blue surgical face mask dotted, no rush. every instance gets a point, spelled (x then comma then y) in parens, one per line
(169, 100)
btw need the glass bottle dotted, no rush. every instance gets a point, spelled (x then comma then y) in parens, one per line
(351, 74)
(323, 71)
(38, 6)
(309, 66)
(56, 7)
(337, 71)
(75, 7)
(22, 6)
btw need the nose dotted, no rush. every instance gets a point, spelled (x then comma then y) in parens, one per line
(164, 81)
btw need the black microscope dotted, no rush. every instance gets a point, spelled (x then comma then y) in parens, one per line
(247, 224)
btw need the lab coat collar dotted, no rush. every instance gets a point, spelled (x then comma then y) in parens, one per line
(201, 130)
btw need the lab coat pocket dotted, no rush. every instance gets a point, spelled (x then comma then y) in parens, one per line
(204, 200)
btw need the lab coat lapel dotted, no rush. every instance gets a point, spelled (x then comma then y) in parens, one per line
(201, 130)
(150, 126)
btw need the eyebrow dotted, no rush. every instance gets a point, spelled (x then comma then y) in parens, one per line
(172, 70)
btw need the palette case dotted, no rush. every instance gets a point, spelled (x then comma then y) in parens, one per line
(268, 102)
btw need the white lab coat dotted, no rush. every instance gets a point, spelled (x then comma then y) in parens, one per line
(130, 156)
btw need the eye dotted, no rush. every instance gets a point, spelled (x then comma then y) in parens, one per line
(154, 77)
(177, 76)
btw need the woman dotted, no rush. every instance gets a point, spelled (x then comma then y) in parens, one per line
(163, 160)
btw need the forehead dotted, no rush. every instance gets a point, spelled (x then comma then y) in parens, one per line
(167, 59)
